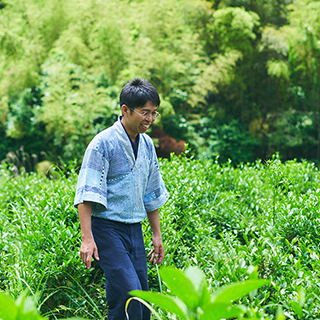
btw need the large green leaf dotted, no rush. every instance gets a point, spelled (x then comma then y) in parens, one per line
(200, 283)
(181, 286)
(217, 311)
(27, 307)
(297, 308)
(31, 315)
(27, 303)
(237, 290)
(168, 303)
(8, 309)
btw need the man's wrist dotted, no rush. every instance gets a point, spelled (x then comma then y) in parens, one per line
(157, 235)
(86, 237)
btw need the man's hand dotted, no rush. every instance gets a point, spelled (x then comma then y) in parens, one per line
(157, 251)
(87, 249)
(88, 246)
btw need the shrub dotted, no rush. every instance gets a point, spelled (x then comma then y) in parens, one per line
(24, 308)
(192, 299)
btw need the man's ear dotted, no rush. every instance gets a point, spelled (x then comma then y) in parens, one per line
(125, 109)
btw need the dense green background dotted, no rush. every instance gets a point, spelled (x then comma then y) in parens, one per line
(238, 78)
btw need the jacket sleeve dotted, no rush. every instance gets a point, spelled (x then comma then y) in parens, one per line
(92, 180)
(156, 194)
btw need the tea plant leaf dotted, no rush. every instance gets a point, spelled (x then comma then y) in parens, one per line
(171, 304)
(23, 308)
(75, 318)
(32, 315)
(297, 308)
(280, 315)
(27, 303)
(199, 281)
(237, 290)
(181, 286)
(217, 311)
(8, 308)
(301, 296)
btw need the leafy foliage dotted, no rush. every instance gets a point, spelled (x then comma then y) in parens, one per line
(192, 298)
(231, 222)
(39, 245)
(24, 308)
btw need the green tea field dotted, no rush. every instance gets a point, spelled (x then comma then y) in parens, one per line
(258, 220)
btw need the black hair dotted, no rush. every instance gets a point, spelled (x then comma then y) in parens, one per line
(137, 92)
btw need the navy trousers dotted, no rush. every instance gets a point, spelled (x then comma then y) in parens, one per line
(123, 260)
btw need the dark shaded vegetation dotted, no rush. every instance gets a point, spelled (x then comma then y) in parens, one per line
(238, 79)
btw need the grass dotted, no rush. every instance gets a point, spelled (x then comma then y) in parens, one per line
(229, 222)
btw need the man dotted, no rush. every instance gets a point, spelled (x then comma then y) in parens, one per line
(119, 186)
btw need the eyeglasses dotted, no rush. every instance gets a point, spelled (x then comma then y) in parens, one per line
(146, 115)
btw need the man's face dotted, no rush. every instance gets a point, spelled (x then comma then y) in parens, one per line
(139, 120)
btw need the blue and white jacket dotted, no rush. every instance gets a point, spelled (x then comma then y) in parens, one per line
(121, 187)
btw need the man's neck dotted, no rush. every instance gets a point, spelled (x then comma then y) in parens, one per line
(134, 138)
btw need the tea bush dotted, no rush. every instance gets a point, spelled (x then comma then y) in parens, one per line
(40, 243)
(229, 221)
(190, 298)
(23, 308)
